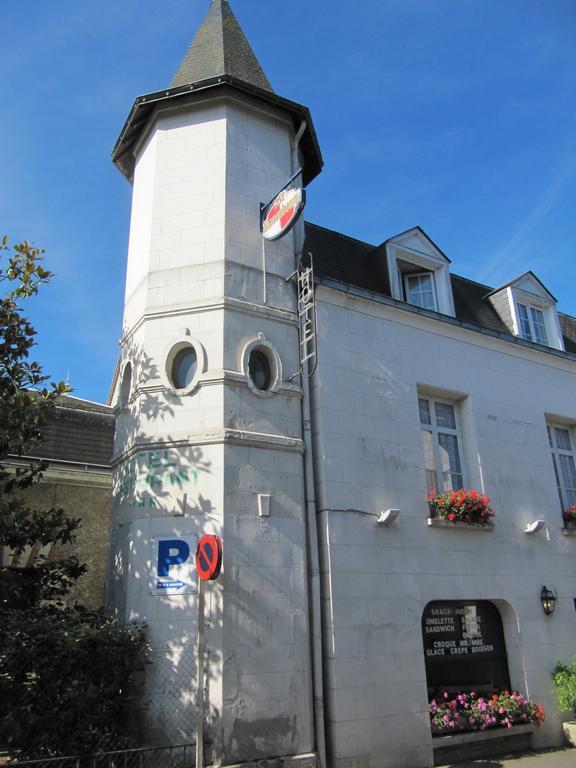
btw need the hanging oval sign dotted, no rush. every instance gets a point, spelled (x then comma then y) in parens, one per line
(209, 557)
(282, 213)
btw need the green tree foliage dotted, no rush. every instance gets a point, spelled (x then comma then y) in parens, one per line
(25, 404)
(564, 679)
(68, 682)
(68, 676)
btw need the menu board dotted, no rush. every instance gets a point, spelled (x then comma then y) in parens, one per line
(465, 630)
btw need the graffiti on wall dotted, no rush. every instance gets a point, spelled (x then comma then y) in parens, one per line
(150, 477)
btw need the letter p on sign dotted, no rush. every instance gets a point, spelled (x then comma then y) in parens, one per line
(171, 552)
(172, 566)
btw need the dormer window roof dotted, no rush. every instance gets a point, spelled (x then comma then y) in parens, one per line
(529, 310)
(410, 268)
(419, 271)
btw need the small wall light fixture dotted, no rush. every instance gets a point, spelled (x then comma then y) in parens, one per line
(264, 504)
(548, 600)
(387, 517)
(534, 527)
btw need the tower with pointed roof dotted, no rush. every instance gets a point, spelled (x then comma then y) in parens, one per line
(209, 435)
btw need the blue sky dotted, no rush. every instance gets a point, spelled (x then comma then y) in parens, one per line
(457, 115)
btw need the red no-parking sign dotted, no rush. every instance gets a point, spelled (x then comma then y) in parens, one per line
(209, 558)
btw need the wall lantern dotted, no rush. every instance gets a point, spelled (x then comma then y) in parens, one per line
(548, 600)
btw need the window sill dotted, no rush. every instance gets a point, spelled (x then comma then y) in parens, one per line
(435, 522)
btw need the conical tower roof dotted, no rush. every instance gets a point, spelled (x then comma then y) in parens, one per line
(220, 62)
(220, 48)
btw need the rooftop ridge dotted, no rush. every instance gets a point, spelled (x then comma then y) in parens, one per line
(220, 47)
(475, 282)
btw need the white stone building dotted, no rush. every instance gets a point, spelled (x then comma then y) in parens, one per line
(422, 380)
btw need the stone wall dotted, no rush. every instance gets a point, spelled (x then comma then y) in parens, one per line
(87, 495)
(375, 360)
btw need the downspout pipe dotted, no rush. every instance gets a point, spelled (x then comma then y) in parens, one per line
(311, 529)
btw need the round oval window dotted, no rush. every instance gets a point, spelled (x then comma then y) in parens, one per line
(184, 367)
(259, 370)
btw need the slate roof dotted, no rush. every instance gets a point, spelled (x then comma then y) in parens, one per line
(470, 305)
(568, 328)
(219, 48)
(345, 259)
(79, 431)
(353, 262)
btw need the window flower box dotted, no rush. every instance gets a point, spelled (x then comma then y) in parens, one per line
(464, 507)
(436, 522)
(569, 516)
(453, 713)
(481, 745)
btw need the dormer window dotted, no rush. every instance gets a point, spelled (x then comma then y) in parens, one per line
(419, 272)
(420, 290)
(532, 325)
(528, 309)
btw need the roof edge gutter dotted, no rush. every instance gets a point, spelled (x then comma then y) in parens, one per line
(124, 143)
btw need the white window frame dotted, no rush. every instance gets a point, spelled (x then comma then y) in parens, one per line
(563, 490)
(406, 277)
(530, 308)
(435, 430)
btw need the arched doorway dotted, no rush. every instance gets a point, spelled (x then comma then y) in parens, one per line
(464, 647)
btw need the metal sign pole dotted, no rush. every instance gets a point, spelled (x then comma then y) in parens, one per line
(264, 296)
(200, 679)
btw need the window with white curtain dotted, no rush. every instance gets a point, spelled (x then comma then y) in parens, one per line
(563, 447)
(442, 444)
(532, 325)
(420, 290)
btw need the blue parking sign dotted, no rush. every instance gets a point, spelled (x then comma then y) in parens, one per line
(173, 570)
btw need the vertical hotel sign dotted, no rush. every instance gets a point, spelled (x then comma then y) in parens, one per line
(307, 314)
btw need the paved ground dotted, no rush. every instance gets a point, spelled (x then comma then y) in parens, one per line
(559, 758)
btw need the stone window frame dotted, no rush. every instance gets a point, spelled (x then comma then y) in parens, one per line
(124, 398)
(176, 345)
(261, 344)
